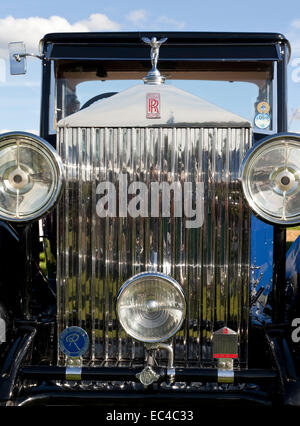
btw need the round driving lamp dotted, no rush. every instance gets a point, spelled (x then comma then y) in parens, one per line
(151, 307)
(31, 177)
(270, 175)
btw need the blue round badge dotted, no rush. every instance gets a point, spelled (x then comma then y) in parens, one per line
(262, 121)
(74, 341)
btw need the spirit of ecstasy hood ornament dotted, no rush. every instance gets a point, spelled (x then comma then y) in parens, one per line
(154, 76)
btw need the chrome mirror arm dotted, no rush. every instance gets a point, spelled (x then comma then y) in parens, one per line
(18, 56)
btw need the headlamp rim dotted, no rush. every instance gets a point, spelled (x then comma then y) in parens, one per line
(148, 274)
(259, 213)
(7, 139)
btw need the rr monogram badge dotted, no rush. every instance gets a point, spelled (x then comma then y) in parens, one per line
(153, 105)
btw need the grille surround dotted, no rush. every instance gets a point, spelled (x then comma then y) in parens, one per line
(97, 255)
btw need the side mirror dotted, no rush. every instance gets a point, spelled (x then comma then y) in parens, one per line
(17, 58)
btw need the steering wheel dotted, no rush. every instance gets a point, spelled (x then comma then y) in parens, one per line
(96, 98)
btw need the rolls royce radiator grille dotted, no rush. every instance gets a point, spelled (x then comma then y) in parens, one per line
(97, 254)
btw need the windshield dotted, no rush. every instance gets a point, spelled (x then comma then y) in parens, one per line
(245, 89)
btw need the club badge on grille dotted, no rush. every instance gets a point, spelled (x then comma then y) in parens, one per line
(225, 343)
(153, 105)
(74, 341)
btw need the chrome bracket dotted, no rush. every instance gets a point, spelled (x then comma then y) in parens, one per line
(225, 371)
(171, 375)
(73, 373)
(73, 369)
(151, 348)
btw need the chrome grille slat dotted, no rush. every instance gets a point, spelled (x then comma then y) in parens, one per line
(97, 255)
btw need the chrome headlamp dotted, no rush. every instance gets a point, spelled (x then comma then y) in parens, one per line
(270, 175)
(151, 307)
(31, 177)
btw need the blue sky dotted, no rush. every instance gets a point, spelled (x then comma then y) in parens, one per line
(29, 20)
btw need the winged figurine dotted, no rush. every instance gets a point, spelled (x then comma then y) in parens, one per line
(155, 45)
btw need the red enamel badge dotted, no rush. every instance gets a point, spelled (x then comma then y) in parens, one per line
(153, 105)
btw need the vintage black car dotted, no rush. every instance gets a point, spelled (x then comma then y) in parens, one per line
(143, 234)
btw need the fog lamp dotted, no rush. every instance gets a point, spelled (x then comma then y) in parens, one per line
(270, 175)
(31, 177)
(151, 307)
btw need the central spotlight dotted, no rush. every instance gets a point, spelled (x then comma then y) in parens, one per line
(151, 307)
